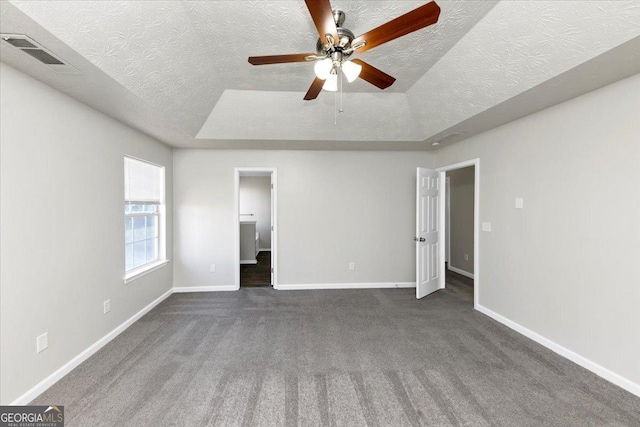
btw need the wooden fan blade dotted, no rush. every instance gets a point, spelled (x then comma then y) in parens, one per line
(401, 26)
(279, 59)
(373, 75)
(322, 16)
(314, 90)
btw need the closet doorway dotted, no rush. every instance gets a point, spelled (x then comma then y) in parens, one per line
(255, 234)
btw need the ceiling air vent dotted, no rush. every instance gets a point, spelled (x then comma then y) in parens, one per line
(43, 57)
(39, 52)
(19, 42)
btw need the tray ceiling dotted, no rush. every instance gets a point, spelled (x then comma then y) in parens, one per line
(179, 70)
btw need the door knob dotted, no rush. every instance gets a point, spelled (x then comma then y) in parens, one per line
(421, 239)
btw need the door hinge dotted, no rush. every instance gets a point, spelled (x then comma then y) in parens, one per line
(272, 228)
(272, 269)
(272, 186)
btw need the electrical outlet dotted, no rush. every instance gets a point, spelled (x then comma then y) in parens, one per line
(519, 203)
(352, 266)
(107, 306)
(486, 226)
(466, 257)
(42, 342)
(212, 268)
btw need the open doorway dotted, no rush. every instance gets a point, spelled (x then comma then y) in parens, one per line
(255, 234)
(459, 218)
(459, 250)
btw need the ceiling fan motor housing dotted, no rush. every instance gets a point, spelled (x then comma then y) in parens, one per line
(342, 45)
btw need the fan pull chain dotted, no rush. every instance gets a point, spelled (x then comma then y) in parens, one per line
(341, 105)
(335, 108)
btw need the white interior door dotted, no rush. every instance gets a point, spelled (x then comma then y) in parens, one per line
(427, 251)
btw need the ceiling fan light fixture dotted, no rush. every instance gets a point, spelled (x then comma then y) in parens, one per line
(351, 70)
(336, 44)
(323, 68)
(331, 83)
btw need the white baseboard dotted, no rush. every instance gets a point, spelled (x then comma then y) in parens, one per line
(248, 261)
(375, 285)
(73, 363)
(185, 289)
(599, 370)
(459, 271)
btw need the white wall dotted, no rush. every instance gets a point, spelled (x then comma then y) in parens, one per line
(62, 240)
(333, 208)
(255, 198)
(461, 184)
(565, 266)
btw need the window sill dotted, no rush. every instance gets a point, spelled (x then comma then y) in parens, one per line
(134, 274)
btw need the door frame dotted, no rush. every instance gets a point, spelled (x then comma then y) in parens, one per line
(447, 201)
(273, 172)
(476, 224)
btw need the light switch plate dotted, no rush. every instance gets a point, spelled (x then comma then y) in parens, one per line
(212, 268)
(107, 306)
(519, 203)
(42, 342)
(352, 266)
(486, 226)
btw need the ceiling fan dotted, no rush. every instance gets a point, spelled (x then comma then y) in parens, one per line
(337, 44)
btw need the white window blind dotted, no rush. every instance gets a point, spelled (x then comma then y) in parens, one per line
(143, 215)
(142, 182)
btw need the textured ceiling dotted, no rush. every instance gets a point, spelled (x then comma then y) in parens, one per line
(502, 57)
(180, 67)
(180, 56)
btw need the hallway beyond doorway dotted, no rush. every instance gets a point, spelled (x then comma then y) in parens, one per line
(460, 287)
(256, 275)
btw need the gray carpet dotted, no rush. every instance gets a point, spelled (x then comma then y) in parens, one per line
(345, 358)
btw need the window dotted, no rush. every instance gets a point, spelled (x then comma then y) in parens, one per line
(143, 216)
